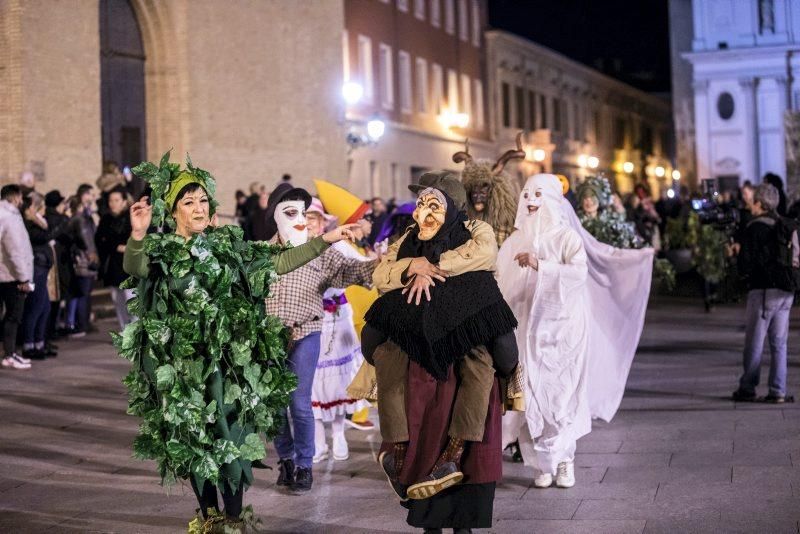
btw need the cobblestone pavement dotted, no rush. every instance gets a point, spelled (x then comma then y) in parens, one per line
(677, 458)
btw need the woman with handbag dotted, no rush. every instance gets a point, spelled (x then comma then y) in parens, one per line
(82, 229)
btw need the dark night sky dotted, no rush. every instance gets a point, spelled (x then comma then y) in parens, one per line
(626, 39)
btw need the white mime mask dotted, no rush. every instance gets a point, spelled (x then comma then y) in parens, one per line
(290, 216)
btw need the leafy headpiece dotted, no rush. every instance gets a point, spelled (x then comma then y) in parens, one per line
(168, 179)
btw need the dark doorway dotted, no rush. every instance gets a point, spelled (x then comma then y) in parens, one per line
(122, 85)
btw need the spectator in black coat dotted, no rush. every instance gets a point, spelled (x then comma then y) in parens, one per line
(37, 305)
(85, 262)
(56, 207)
(112, 235)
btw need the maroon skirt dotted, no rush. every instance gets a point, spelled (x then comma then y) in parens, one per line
(429, 407)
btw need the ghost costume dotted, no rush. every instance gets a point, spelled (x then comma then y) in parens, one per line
(550, 304)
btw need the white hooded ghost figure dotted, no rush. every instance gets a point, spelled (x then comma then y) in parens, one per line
(549, 298)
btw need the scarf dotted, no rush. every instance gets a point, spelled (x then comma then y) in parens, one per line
(466, 311)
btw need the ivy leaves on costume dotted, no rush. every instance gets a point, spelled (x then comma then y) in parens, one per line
(608, 226)
(208, 368)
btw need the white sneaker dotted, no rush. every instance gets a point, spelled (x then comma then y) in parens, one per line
(21, 358)
(543, 480)
(565, 476)
(321, 455)
(15, 361)
(340, 449)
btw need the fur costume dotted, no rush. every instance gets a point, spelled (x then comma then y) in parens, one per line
(501, 208)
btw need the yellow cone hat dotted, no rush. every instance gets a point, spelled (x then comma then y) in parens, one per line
(340, 202)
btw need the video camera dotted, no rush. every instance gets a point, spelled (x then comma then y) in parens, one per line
(724, 217)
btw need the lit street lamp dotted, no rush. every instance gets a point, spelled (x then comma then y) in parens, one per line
(376, 129)
(593, 162)
(627, 167)
(539, 155)
(352, 92)
(660, 171)
(676, 175)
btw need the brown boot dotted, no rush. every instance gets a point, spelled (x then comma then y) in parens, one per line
(446, 472)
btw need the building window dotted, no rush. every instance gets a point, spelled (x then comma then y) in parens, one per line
(556, 114)
(506, 97)
(619, 133)
(419, 9)
(404, 64)
(519, 101)
(766, 16)
(476, 23)
(463, 21)
(597, 126)
(478, 107)
(725, 106)
(436, 89)
(374, 179)
(402, 5)
(365, 67)
(386, 78)
(543, 112)
(576, 121)
(647, 140)
(452, 90)
(450, 16)
(531, 110)
(466, 96)
(422, 85)
(346, 55)
(436, 13)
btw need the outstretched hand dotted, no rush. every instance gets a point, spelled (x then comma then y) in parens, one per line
(141, 216)
(340, 233)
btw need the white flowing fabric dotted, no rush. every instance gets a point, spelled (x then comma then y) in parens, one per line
(551, 306)
(339, 357)
(618, 290)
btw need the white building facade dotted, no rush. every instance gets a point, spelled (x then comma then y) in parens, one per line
(745, 57)
(578, 121)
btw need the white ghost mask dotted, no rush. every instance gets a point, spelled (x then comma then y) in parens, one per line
(540, 207)
(290, 217)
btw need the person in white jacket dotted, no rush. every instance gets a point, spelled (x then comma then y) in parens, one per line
(542, 272)
(16, 272)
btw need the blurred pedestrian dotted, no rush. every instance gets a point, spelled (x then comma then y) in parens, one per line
(241, 199)
(768, 261)
(777, 182)
(377, 217)
(257, 227)
(37, 304)
(27, 182)
(16, 272)
(60, 276)
(111, 236)
(81, 228)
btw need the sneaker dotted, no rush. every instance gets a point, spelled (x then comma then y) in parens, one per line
(440, 479)
(341, 451)
(543, 480)
(742, 396)
(386, 459)
(775, 399)
(75, 334)
(302, 480)
(285, 473)
(15, 361)
(565, 476)
(322, 455)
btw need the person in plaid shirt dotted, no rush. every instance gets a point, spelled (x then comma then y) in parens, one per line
(297, 300)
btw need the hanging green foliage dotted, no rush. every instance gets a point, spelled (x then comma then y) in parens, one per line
(208, 373)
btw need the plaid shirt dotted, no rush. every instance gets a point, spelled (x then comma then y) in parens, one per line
(296, 298)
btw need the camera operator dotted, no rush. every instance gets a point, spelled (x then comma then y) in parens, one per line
(769, 274)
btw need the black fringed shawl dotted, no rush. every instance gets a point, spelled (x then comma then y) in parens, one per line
(464, 312)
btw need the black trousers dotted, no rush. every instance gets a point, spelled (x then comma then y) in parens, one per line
(208, 498)
(14, 303)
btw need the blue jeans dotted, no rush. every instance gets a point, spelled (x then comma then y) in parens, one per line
(78, 307)
(37, 309)
(767, 316)
(300, 448)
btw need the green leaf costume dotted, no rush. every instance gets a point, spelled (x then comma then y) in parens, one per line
(208, 373)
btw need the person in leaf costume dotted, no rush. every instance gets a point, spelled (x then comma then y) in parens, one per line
(208, 364)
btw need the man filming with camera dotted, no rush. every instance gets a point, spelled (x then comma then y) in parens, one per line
(768, 261)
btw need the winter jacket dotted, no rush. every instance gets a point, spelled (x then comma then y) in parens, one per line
(63, 246)
(756, 262)
(43, 254)
(112, 232)
(16, 254)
